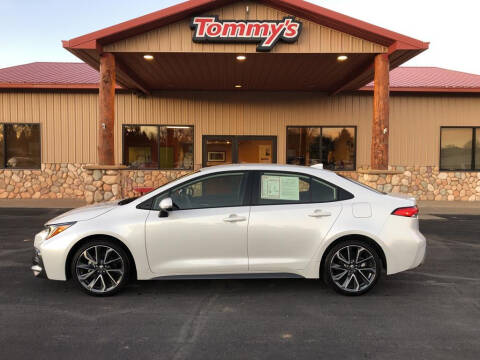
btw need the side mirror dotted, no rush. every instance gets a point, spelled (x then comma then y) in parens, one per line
(165, 206)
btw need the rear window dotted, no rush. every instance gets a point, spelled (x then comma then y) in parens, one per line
(363, 185)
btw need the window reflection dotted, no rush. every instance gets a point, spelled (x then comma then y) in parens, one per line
(176, 147)
(153, 147)
(22, 146)
(141, 146)
(456, 151)
(338, 148)
(303, 146)
(334, 147)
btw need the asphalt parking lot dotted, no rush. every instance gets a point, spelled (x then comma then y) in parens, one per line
(430, 313)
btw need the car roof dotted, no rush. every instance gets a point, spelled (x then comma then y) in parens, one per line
(267, 167)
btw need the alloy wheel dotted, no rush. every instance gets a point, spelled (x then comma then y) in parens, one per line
(100, 269)
(353, 268)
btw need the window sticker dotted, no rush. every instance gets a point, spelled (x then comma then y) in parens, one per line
(280, 187)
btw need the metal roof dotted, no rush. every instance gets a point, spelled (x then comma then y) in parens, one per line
(431, 79)
(65, 75)
(49, 75)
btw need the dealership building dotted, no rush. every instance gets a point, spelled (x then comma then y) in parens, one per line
(210, 82)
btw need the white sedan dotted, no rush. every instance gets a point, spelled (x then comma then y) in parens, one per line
(237, 221)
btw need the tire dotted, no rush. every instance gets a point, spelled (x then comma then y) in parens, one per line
(345, 274)
(100, 268)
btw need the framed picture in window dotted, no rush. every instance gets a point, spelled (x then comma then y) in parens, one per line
(265, 153)
(216, 156)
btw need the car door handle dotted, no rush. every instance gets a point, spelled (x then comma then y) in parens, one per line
(320, 213)
(234, 218)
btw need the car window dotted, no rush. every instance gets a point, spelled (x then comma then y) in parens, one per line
(363, 185)
(322, 192)
(283, 188)
(276, 188)
(218, 190)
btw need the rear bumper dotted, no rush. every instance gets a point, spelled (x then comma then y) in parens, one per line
(404, 245)
(37, 265)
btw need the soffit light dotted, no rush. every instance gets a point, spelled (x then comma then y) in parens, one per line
(241, 58)
(342, 58)
(238, 86)
(148, 57)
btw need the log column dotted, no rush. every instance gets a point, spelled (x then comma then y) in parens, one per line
(380, 129)
(106, 110)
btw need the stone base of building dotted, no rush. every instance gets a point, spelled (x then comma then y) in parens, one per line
(70, 181)
(422, 182)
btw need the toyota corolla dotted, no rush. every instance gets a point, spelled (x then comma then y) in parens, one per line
(238, 221)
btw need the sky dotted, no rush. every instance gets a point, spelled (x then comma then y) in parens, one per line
(32, 30)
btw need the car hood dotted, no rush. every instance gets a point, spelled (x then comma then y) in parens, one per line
(83, 213)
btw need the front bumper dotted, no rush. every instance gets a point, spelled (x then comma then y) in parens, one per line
(37, 265)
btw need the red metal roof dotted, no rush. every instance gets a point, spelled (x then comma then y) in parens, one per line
(49, 75)
(80, 75)
(431, 79)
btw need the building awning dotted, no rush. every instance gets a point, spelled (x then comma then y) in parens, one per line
(290, 70)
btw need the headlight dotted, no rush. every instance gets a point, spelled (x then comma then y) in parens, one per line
(56, 229)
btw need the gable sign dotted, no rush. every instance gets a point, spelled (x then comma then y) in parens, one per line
(265, 32)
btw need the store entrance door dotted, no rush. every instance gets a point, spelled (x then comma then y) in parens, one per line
(227, 149)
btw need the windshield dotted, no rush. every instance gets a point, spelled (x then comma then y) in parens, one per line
(362, 185)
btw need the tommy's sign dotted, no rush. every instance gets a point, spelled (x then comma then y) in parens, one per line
(265, 32)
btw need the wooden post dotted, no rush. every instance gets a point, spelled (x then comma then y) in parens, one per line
(106, 110)
(380, 129)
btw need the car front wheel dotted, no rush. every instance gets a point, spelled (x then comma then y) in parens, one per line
(100, 268)
(352, 267)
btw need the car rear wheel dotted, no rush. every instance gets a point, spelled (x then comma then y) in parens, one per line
(100, 268)
(352, 267)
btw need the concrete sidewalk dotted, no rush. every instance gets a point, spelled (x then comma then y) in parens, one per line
(426, 207)
(449, 207)
(42, 203)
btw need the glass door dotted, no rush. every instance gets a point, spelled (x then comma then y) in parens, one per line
(217, 150)
(221, 150)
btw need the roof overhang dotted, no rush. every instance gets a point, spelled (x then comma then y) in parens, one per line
(400, 48)
(426, 89)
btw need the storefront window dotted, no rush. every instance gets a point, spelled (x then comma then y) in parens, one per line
(140, 146)
(176, 147)
(153, 147)
(335, 147)
(477, 148)
(2, 147)
(20, 146)
(457, 151)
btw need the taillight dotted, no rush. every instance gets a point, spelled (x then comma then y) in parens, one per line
(410, 211)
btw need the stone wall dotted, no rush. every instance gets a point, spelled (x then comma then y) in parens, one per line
(423, 182)
(57, 181)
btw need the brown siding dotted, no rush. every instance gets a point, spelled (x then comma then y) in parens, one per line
(415, 122)
(252, 113)
(69, 120)
(177, 37)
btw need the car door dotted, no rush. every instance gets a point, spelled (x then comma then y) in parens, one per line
(206, 231)
(290, 216)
